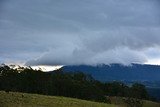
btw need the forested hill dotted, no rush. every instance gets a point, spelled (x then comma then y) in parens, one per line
(68, 84)
(135, 72)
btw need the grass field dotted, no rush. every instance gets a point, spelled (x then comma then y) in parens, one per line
(119, 101)
(14, 99)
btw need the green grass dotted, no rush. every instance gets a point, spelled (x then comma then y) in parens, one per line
(14, 99)
(151, 104)
(119, 101)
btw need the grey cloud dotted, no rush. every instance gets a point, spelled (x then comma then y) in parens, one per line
(77, 57)
(60, 32)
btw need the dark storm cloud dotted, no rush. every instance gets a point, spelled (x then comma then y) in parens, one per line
(61, 32)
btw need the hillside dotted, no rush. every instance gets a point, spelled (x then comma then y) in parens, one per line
(119, 101)
(148, 75)
(134, 72)
(14, 99)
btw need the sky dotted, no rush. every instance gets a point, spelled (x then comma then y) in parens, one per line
(75, 32)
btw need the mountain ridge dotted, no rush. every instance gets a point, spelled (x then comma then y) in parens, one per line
(119, 72)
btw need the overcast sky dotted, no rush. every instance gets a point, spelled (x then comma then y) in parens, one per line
(67, 32)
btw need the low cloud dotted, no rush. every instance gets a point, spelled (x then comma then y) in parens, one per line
(60, 32)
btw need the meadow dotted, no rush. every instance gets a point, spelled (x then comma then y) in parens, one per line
(16, 99)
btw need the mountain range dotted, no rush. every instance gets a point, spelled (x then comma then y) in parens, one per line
(118, 72)
(148, 75)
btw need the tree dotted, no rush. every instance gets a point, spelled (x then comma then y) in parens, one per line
(139, 91)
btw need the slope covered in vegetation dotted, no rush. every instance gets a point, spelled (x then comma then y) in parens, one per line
(13, 99)
(16, 99)
(68, 84)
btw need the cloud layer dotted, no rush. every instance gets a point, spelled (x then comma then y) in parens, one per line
(60, 32)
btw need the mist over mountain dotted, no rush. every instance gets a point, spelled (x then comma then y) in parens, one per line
(74, 32)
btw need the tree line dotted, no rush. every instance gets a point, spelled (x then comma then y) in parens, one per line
(68, 84)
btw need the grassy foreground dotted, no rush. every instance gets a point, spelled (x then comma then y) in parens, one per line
(14, 99)
(119, 101)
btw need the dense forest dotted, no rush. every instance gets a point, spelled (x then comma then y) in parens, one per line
(68, 84)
